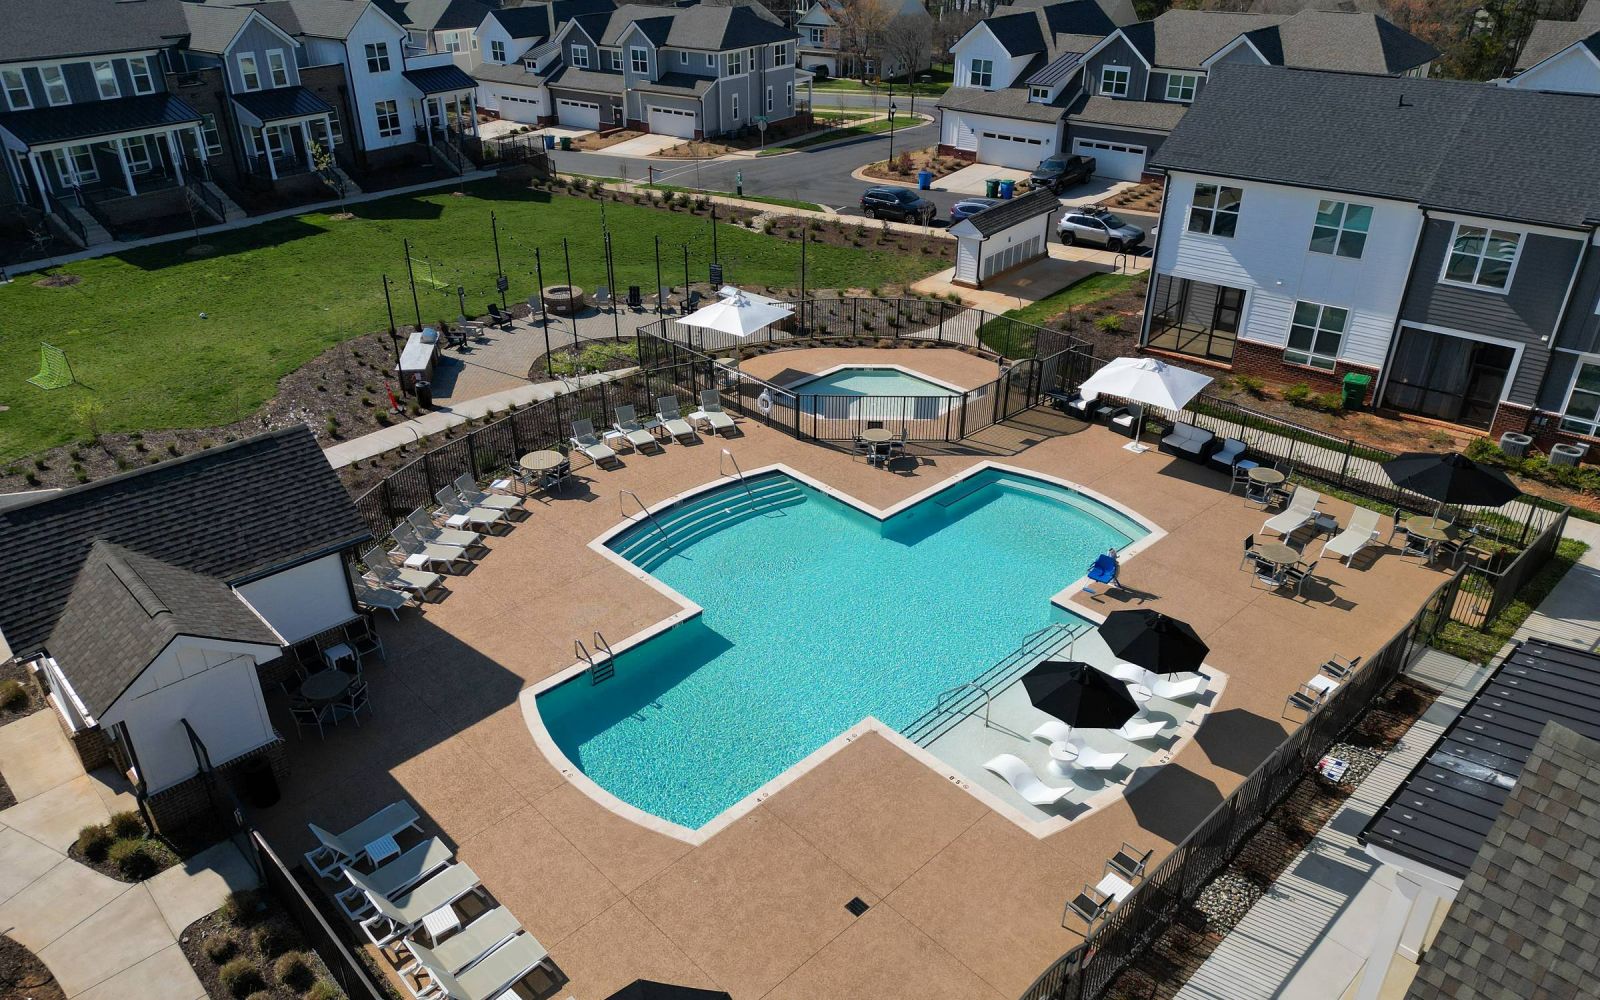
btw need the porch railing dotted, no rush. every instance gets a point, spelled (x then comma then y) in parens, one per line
(86, 200)
(58, 208)
(198, 190)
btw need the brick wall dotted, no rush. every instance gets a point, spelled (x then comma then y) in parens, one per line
(1515, 417)
(1266, 362)
(92, 745)
(327, 82)
(186, 804)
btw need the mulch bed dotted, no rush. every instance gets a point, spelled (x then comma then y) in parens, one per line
(11, 670)
(905, 166)
(1183, 947)
(23, 976)
(215, 924)
(864, 235)
(1139, 198)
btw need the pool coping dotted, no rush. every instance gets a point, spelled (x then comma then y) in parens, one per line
(688, 609)
(794, 387)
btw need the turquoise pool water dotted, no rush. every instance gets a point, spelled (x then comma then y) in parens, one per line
(869, 382)
(815, 616)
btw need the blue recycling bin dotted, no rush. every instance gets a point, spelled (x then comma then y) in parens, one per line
(924, 179)
(1007, 188)
(549, 142)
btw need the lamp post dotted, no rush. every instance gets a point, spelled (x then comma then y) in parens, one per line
(538, 265)
(406, 243)
(891, 131)
(499, 272)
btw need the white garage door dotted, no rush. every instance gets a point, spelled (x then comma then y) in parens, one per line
(578, 114)
(1111, 159)
(671, 121)
(514, 107)
(1007, 149)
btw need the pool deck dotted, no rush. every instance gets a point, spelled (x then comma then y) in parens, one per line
(965, 903)
(956, 368)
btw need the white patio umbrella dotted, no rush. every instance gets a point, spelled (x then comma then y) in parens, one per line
(738, 315)
(1144, 380)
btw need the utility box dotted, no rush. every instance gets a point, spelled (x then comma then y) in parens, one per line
(1356, 386)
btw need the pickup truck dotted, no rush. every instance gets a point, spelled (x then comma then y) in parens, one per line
(1061, 172)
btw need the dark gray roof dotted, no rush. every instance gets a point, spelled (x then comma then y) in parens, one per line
(212, 26)
(1442, 814)
(505, 73)
(314, 18)
(46, 29)
(438, 79)
(1160, 116)
(1183, 39)
(435, 15)
(1010, 102)
(282, 102)
(97, 118)
(590, 80)
(1352, 43)
(1454, 146)
(532, 21)
(1550, 37)
(676, 83)
(236, 513)
(1526, 922)
(706, 27)
(1017, 210)
(125, 607)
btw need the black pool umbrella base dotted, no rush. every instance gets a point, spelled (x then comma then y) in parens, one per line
(1079, 695)
(1152, 640)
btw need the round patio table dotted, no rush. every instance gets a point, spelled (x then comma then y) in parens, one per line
(1277, 553)
(1062, 756)
(1141, 696)
(1432, 532)
(877, 435)
(540, 462)
(1265, 476)
(326, 686)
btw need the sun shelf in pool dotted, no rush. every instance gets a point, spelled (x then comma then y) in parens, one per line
(816, 615)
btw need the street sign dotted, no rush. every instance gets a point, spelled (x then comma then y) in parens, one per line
(761, 123)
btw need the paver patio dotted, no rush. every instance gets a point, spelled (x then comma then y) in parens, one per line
(964, 901)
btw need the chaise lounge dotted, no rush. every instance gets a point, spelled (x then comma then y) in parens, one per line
(1024, 782)
(588, 442)
(340, 850)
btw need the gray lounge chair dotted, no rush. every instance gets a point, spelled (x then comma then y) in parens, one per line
(469, 493)
(588, 442)
(502, 969)
(458, 513)
(395, 876)
(422, 523)
(395, 917)
(459, 951)
(711, 412)
(339, 850)
(382, 599)
(628, 425)
(418, 551)
(672, 420)
(383, 572)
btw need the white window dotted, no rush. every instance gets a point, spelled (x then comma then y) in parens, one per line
(711, 59)
(335, 127)
(1114, 81)
(780, 54)
(1341, 228)
(1181, 86)
(388, 119)
(980, 73)
(76, 164)
(814, 35)
(788, 95)
(769, 100)
(613, 59)
(1481, 257)
(452, 42)
(1582, 412)
(735, 107)
(1315, 335)
(55, 85)
(639, 60)
(580, 57)
(138, 155)
(105, 78)
(143, 80)
(277, 68)
(249, 75)
(683, 58)
(497, 51)
(1215, 210)
(1040, 94)
(377, 57)
(735, 63)
(16, 89)
(211, 135)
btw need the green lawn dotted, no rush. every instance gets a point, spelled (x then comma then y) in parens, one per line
(874, 127)
(277, 294)
(809, 206)
(938, 83)
(1008, 337)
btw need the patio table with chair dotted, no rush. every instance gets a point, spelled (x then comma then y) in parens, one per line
(1262, 482)
(546, 469)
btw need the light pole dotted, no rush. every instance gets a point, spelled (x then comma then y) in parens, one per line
(891, 131)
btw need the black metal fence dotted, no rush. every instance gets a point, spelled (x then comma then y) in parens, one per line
(1089, 969)
(1487, 590)
(336, 952)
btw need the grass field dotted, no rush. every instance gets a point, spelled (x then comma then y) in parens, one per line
(938, 83)
(873, 127)
(159, 338)
(1007, 338)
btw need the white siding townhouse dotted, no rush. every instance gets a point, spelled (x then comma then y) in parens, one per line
(1563, 56)
(1117, 96)
(1438, 236)
(826, 50)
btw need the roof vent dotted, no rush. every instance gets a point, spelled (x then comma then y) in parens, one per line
(1403, 102)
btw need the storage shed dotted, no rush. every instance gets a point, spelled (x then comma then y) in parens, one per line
(1003, 237)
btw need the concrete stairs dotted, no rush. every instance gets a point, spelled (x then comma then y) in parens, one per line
(94, 232)
(231, 212)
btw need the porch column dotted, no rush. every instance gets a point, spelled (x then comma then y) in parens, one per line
(266, 148)
(427, 120)
(305, 137)
(38, 176)
(176, 152)
(127, 174)
(472, 109)
(200, 144)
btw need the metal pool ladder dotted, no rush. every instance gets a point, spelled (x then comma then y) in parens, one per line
(974, 685)
(645, 511)
(603, 670)
(738, 473)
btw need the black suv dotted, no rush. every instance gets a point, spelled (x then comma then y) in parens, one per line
(898, 204)
(1061, 172)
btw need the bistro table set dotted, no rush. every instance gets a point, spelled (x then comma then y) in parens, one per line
(332, 688)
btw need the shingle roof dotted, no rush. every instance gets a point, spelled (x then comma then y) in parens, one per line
(506, 73)
(97, 118)
(1513, 154)
(1161, 116)
(282, 102)
(236, 513)
(532, 21)
(1010, 102)
(1048, 29)
(676, 83)
(1526, 922)
(1353, 43)
(1442, 814)
(1550, 37)
(125, 607)
(591, 80)
(703, 26)
(212, 27)
(45, 29)
(438, 79)
(314, 18)
(1009, 213)
(436, 15)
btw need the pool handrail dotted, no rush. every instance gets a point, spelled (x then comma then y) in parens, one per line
(738, 472)
(644, 510)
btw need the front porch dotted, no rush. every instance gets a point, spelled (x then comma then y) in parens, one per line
(284, 130)
(1195, 318)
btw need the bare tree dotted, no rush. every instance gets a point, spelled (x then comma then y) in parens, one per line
(862, 24)
(907, 46)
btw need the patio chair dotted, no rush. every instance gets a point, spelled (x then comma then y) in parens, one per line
(494, 976)
(672, 420)
(1130, 862)
(635, 298)
(711, 413)
(1104, 570)
(458, 513)
(1072, 404)
(416, 550)
(1339, 668)
(422, 523)
(627, 424)
(1192, 686)
(1456, 550)
(382, 599)
(588, 442)
(467, 947)
(691, 302)
(1090, 759)
(1229, 455)
(382, 571)
(364, 639)
(1249, 552)
(1126, 423)
(1305, 698)
(339, 850)
(468, 490)
(1296, 576)
(498, 317)
(1417, 545)
(1301, 511)
(1357, 535)
(1088, 906)
(1024, 781)
(306, 714)
(393, 877)
(1137, 730)
(1240, 477)
(1053, 731)
(1132, 673)
(354, 700)
(395, 917)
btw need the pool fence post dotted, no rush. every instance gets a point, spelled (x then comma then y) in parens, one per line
(942, 304)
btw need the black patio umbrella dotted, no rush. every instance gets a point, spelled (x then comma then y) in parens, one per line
(1079, 695)
(1153, 641)
(1451, 479)
(649, 989)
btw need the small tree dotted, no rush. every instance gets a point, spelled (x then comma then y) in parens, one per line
(908, 45)
(327, 166)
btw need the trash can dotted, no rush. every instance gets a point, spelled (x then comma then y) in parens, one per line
(424, 390)
(1356, 385)
(549, 142)
(257, 785)
(924, 179)
(1007, 188)
(566, 143)
(991, 188)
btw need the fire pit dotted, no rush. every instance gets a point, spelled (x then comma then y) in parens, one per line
(565, 300)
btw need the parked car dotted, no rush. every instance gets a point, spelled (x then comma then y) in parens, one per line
(897, 204)
(1061, 172)
(1098, 227)
(967, 207)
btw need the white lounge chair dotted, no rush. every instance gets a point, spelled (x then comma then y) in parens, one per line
(494, 976)
(1053, 731)
(393, 877)
(1024, 782)
(473, 943)
(627, 424)
(1176, 690)
(711, 413)
(418, 553)
(395, 917)
(383, 572)
(1301, 509)
(469, 493)
(1131, 673)
(1137, 730)
(589, 444)
(422, 523)
(382, 599)
(457, 513)
(338, 850)
(1090, 759)
(672, 420)
(1357, 535)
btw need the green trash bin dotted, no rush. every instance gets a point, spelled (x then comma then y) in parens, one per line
(1356, 385)
(991, 188)
(566, 142)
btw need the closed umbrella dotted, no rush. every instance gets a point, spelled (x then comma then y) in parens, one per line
(1144, 380)
(1079, 695)
(1451, 479)
(1154, 641)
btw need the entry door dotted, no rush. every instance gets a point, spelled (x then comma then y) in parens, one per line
(1230, 306)
(1486, 380)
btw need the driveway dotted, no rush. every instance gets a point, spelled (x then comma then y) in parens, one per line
(644, 145)
(974, 179)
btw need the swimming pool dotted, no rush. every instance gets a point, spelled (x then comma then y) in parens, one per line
(871, 381)
(815, 615)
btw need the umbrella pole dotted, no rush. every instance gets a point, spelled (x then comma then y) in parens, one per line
(1137, 446)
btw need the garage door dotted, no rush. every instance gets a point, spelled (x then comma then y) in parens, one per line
(578, 114)
(1111, 159)
(671, 121)
(1010, 150)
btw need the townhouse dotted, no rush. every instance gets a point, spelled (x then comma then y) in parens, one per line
(442, 26)
(509, 39)
(1437, 236)
(830, 42)
(1562, 56)
(1023, 92)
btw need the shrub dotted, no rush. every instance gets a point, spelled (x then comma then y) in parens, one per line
(94, 842)
(134, 858)
(241, 907)
(241, 977)
(261, 995)
(274, 939)
(13, 695)
(220, 948)
(1110, 322)
(1297, 394)
(1327, 402)
(294, 971)
(127, 825)
(323, 990)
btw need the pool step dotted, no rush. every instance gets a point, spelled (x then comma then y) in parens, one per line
(1055, 494)
(646, 547)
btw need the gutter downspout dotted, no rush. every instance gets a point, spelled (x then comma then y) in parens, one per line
(1155, 251)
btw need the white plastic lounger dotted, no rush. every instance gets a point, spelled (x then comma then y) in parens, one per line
(1090, 759)
(711, 412)
(588, 442)
(1024, 782)
(1053, 731)
(458, 513)
(1302, 508)
(496, 974)
(1176, 690)
(672, 420)
(398, 916)
(470, 494)
(423, 525)
(457, 952)
(1132, 673)
(1361, 532)
(396, 876)
(384, 573)
(1137, 730)
(627, 424)
(338, 850)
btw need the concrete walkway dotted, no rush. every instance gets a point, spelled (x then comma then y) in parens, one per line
(102, 939)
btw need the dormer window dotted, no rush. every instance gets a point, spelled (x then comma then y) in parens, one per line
(139, 71)
(1181, 87)
(580, 57)
(1114, 81)
(1039, 95)
(497, 50)
(249, 75)
(980, 73)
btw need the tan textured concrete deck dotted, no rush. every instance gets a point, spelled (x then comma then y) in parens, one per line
(965, 903)
(957, 368)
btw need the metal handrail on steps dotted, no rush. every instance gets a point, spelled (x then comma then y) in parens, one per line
(645, 511)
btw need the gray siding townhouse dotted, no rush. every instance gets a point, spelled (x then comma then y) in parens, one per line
(825, 49)
(441, 25)
(511, 41)
(1438, 236)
